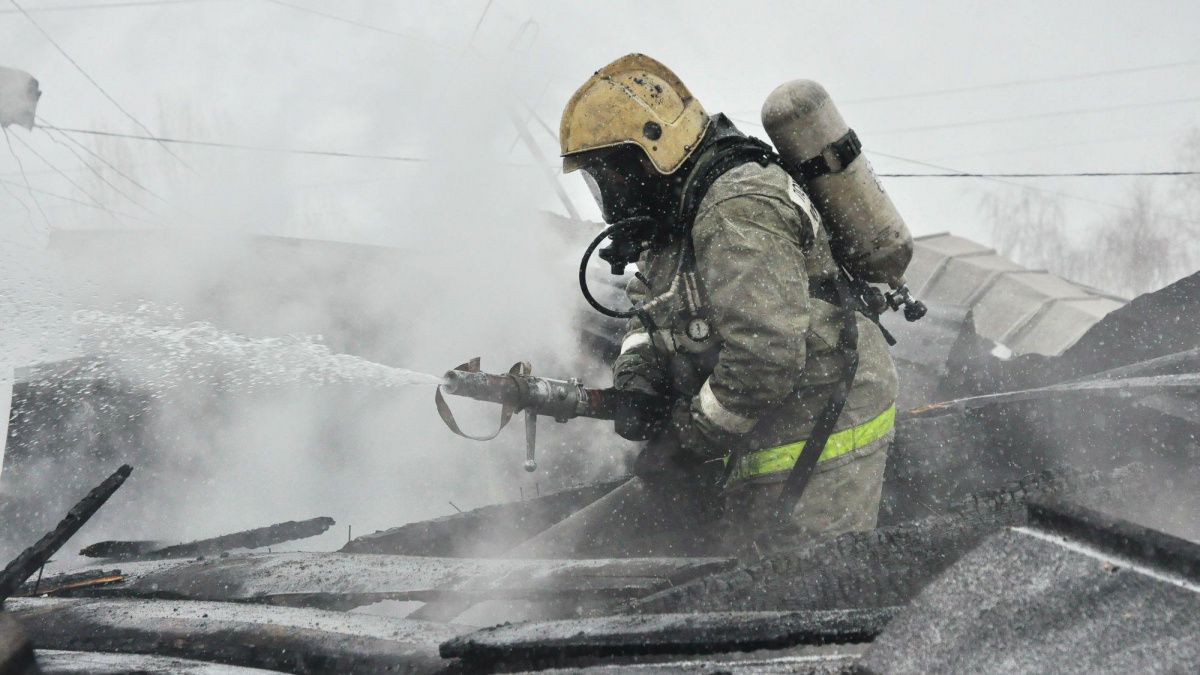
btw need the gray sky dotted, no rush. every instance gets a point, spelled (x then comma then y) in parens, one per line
(260, 73)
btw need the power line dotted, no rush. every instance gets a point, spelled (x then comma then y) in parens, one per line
(468, 51)
(60, 172)
(956, 173)
(109, 5)
(89, 77)
(43, 122)
(360, 24)
(478, 24)
(929, 93)
(95, 172)
(28, 214)
(80, 202)
(1023, 186)
(1046, 115)
(237, 146)
(24, 176)
(950, 173)
(1021, 83)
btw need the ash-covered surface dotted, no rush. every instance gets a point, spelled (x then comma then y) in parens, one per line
(486, 531)
(884, 567)
(60, 662)
(275, 638)
(803, 664)
(1027, 600)
(305, 576)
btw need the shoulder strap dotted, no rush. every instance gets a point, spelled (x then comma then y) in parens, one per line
(722, 156)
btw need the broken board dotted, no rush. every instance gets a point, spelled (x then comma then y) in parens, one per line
(344, 580)
(275, 638)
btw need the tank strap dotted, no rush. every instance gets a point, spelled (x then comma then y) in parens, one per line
(725, 155)
(833, 158)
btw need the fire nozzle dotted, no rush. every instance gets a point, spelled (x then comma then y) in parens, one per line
(560, 399)
(518, 391)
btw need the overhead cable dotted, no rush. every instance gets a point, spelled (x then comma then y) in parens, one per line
(5, 182)
(99, 204)
(238, 146)
(1021, 83)
(96, 172)
(929, 93)
(89, 78)
(1035, 116)
(105, 5)
(1023, 186)
(43, 122)
(950, 173)
(25, 177)
(359, 24)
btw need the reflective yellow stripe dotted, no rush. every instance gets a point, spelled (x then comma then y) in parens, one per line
(783, 457)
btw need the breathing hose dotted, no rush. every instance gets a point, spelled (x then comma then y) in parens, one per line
(587, 257)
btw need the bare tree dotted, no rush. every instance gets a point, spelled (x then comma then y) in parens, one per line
(1027, 227)
(1152, 240)
(1138, 249)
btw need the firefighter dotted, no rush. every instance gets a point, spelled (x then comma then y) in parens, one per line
(752, 353)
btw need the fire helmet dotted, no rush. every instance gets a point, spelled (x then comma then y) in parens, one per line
(635, 101)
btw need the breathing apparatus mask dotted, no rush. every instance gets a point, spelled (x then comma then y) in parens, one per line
(637, 202)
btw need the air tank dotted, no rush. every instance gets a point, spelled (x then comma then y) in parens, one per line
(866, 231)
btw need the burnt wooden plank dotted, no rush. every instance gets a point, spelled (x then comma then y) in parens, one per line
(288, 639)
(259, 537)
(60, 662)
(346, 580)
(546, 643)
(39, 553)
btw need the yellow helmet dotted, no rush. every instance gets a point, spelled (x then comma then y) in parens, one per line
(634, 100)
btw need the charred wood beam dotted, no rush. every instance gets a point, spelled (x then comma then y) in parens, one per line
(275, 638)
(259, 537)
(61, 662)
(120, 549)
(66, 583)
(37, 555)
(340, 580)
(543, 644)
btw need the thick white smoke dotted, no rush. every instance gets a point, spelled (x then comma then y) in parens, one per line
(252, 418)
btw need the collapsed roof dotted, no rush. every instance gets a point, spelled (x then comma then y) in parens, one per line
(1023, 527)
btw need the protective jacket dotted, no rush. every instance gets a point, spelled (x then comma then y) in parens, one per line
(764, 370)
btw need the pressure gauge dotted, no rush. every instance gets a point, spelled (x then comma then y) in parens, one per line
(698, 330)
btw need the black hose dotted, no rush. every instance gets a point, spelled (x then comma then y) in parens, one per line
(583, 284)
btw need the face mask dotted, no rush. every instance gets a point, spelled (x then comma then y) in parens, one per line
(624, 188)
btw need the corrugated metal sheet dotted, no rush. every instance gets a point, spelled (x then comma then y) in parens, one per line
(1028, 311)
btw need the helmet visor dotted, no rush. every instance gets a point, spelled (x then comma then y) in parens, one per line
(621, 183)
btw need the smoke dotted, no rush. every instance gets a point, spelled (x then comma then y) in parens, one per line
(259, 376)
